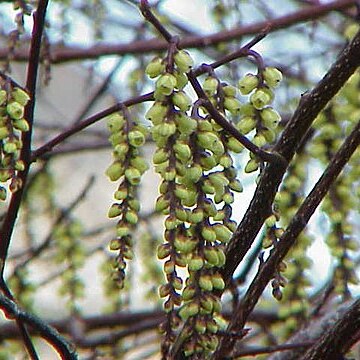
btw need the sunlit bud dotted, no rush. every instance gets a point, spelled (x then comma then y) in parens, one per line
(115, 244)
(139, 163)
(270, 117)
(120, 151)
(207, 187)
(212, 326)
(226, 161)
(251, 166)
(209, 140)
(181, 100)
(221, 257)
(210, 208)
(122, 230)
(194, 173)
(171, 223)
(181, 214)
(270, 221)
(272, 76)
(247, 110)
(200, 326)
(229, 90)
(165, 129)
(163, 251)
(218, 180)
(154, 68)
(133, 176)
(10, 147)
(4, 132)
(186, 124)
(234, 145)
(236, 185)
(114, 211)
(160, 156)
(156, 113)
(188, 310)
(188, 293)
(20, 96)
(223, 234)
(217, 281)
(2, 193)
(220, 215)
(279, 232)
(3, 97)
(196, 216)
(181, 80)
(211, 255)
(131, 217)
(205, 283)
(182, 151)
(21, 125)
(15, 110)
(196, 263)
(169, 174)
(207, 303)
(208, 233)
(169, 267)
(115, 171)
(134, 204)
(259, 140)
(136, 138)
(248, 83)
(233, 105)
(208, 162)
(260, 98)
(15, 184)
(210, 85)
(183, 61)
(115, 122)
(177, 283)
(5, 175)
(190, 200)
(166, 83)
(246, 124)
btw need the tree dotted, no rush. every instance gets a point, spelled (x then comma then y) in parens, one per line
(204, 106)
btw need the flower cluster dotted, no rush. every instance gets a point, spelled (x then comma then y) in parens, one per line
(12, 125)
(199, 178)
(126, 138)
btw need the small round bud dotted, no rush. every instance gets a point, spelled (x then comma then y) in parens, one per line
(15, 110)
(166, 84)
(260, 98)
(154, 68)
(183, 61)
(3, 97)
(248, 83)
(246, 124)
(251, 166)
(270, 117)
(115, 122)
(115, 171)
(21, 125)
(272, 76)
(181, 100)
(136, 138)
(20, 96)
(4, 132)
(233, 105)
(210, 85)
(133, 176)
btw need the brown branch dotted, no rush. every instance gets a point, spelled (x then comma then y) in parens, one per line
(309, 107)
(287, 240)
(61, 54)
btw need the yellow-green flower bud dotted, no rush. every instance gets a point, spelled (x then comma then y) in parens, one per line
(234, 145)
(133, 176)
(160, 156)
(15, 184)
(233, 105)
(217, 281)
(165, 129)
(156, 114)
(196, 263)
(115, 244)
(211, 256)
(208, 162)
(188, 293)
(163, 251)
(223, 234)
(196, 216)
(251, 166)
(194, 173)
(208, 233)
(20, 96)
(210, 85)
(246, 124)
(200, 326)
(270, 117)
(259, 140)
(186, 124)
(136, 138)
(183, 61)
(121, 194)
(272, 76)
(260, 98)
(139, 163)
(236, 185)
(21, 125)
(15, 110)
(189, 310)
(182, 151)
(115, 171)
(115, 122)
(229, 90)
(269, 135)
(270, 221)
(154, 68)
(247, 110)
(161, 204)
(164, 290)
(171, 223)
(10, 147)
(248, 83)
(220, 215)
(5, 175)
(209, 140)
(169, 174)
(3, 97)
(4, 132)
(221, 257)
(181, 100)
(169, 267)
(181, 214)
(114, 211)
(228, 198)
(122, 230)
(131, 217)
(2, 193)
(207, 303)
(205, 283)
(166, 84)
(181, 80)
